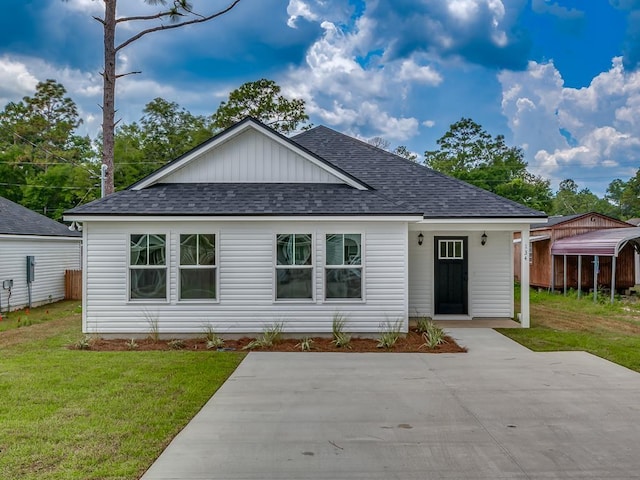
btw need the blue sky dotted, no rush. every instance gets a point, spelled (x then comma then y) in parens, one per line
(559, 78)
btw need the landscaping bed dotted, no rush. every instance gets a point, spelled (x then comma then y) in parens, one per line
(413, 342)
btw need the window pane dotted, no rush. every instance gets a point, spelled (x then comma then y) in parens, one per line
(458, 249)
(197, 283)
(156, 250)
(188, 249)
(148, 283)
(334, 250)
(293, 283)
(303, 249)
(138, 247)
(284, 249)
(443, 249)
(207, 249)
(343, 283)
(352, 244)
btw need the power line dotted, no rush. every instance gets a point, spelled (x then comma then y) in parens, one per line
(45, 186)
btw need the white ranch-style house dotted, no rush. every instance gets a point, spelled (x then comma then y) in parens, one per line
(35, 252)
(252, 228)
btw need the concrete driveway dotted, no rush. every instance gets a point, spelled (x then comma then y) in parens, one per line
(499, 411)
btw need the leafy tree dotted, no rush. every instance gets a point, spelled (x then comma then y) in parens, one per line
(471, 154)
(262, 99)
(60, 188)
(44, 127)
(179, 13)
(629, 197)
(403, 151)
(165, 132)
(570, 200)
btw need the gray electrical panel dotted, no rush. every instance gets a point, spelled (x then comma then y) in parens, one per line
(31, 268)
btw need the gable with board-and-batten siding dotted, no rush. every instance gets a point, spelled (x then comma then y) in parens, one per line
(254, 158)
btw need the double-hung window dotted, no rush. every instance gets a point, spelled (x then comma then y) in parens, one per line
(343, 266)
(197, 266)
(148, 267)
(294, 266)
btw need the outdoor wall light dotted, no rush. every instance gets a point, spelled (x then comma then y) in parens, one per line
(420, 238)
(483, 238)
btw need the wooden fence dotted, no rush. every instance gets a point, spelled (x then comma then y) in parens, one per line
(73, 284)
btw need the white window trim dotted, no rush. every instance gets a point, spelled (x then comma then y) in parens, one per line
(167, 265)
(452, 241)
(301, 267)
(216, 267)
(363, 290)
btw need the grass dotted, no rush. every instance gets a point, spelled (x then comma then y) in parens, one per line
(567, 323)
(94, 415)
(25, 317)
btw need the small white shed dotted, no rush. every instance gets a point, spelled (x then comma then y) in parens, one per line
(35, 251)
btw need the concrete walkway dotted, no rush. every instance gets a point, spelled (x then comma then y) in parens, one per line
(499, 411)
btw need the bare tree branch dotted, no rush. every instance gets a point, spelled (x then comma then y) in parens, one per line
(120, 75)
(176, 25)
(98, 19)
(145, 17)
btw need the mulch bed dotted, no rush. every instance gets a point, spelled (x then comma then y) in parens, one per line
(411, 343)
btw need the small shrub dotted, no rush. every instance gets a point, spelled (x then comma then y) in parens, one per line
(340, 338)
(305, 344)
(154, 326)
(132, 345)
(213, 339)
(84, 343)
(271, 334)
(434, 336)
(176, 344)
(422, 324)
(215, 344)
(390, 334)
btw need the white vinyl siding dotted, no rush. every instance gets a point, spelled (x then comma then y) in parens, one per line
(252, 157)
(490, 273)
(491, 276)
(246, 280)
(52, 257)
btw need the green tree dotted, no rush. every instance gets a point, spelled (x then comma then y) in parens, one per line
(43, 126)
(630, 197)
(60, 188)
(570, 199)
(164, 132)
(471, 154)
(403, 151)
(179, 13)
(262, 100)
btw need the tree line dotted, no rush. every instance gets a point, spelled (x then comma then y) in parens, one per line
(47, 166)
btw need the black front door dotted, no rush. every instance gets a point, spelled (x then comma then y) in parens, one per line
(450, 275)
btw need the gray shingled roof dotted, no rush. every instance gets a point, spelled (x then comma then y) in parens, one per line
(400, 187)
(555, 220)
(18, 220)
(189, 199)
(418, 187)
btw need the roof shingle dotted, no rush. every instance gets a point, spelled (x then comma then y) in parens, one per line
(18, 220)
(399, 187)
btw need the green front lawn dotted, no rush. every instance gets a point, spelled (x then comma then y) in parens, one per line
(569, 323)
(77, 414)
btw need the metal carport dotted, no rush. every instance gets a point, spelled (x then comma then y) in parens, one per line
(602, 243)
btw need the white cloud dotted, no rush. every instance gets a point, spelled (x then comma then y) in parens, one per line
(16, 80)
(91, 7)
(575, 133)
(429, 123)
(410, 71)
(299, 9)
(354, 95)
